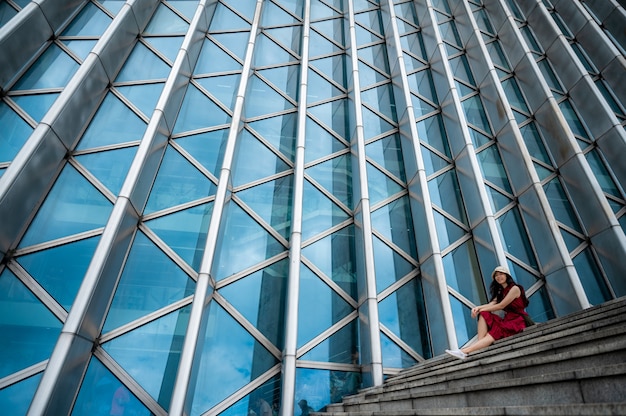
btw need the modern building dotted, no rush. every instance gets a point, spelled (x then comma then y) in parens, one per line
(206, 204)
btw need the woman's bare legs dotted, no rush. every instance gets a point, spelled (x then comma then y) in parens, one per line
(484, 339)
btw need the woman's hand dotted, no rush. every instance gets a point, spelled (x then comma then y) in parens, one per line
(475, 311)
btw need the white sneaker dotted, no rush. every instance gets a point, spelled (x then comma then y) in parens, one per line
(457, 354)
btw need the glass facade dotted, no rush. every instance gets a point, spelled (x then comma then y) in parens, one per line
(208, 205)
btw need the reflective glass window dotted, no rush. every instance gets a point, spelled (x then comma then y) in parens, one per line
(91, 21)
(393, 355)
(13, 133)
(36, 105)
(602, 174)
(493, 169)
(53, 69)
(514, 236)
(15, 399)
(560, 204)
(393, 222)
(165, 21)
(110, 167)
(6, 13)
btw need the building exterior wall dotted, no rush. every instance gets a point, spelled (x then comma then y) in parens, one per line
(204, 204)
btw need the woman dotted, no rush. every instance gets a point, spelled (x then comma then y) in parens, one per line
(505, 295)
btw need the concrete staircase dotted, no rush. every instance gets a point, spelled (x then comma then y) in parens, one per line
(574, 365)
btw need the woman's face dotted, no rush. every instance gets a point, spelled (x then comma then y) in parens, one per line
(500, 278)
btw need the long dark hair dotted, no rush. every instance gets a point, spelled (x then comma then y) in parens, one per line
(497, 291)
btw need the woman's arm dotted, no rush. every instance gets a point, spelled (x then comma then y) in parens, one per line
(497, 306)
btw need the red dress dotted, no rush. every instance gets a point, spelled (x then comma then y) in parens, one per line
(513, 321)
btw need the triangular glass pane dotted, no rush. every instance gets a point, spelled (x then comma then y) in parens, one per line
(148, 275)
(445, 192)
(225, 19)
(374, 125)
(7, 12)
(478, 139)
(143, 65)
(320, 213)
(497, 200)
(161, 344)
(571, 241)
(267, 52)
(334, 68)
(262, 99)
(259, 297)
(114, 6)
(91, 21)
(461, 70)
(519, 117)
(389, 265)
(320, 11)
(319, 307)
(185, 7)
(39, 75)
(381, 100)
(60, 270)
(335, 256)
(167, 45)
(332, 115)
(72, 206)
(177, 182)
(368, 76)
(198, 111)
(447, 231)
(464, 324)
(185, 232)
(223, 88)
(364, 36)
(206, 148)
(319, 142)
(288, 37)
(102, 390)
(376, 56)
(380, 186)
(370, 20)
(463, 89)
(421, 82)
(431, 131)
(542, 171)
(245, 8)
(332, 29)
(393, 355)
(230, 359)
(534, 144)
(421, 107)
(13, 134)
(275, 16)
(412, 63)
(17, 397)
(560, 204)
(335, 175)
(251, 404)
(475, 113)
(213, 59)
(143, 96)
(114, 123)
(340, 347)
(254, 161)
(360, 5)
(492, 168)
(514, 236)
(272, 202)
(432, 161)
(80, 48)
(245, 244)
(387, 153)
(286, 78)
(393, 221)
(280, 132)
(29, 329)
(165, 22)
(235, 42)
(36, 105)
(295, 7)
(319, 45)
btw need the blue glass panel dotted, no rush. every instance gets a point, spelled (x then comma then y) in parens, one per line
(53, 69)
(103, 394)
(272, 202)
(143, 64)
(431, 131)
(413, 64)
(169, 45)
(497, 199)
(370, 20)
(177, 182)
(15, 399)
(380, 186)
(475, 113)
(461, 70)
(445, 192)
(420, 107)
(81, 48)
(244, 243)
(198, 111)
(492, 168)
(521, 275)
(320, 89)
(165, 21)
(390, 266)
(225, 19)
(572, 119)
(6, 13)
(320, 11)
(245, 8)
(393, 222)
(591, 278)
(13, 133)
(223, 88)
(114, 123)
(313, 389)
(260, 298)
(560, 205)
(109, 167)
(542, 172)
(254, 160)
(534, 144)
(213, 59)
(319, 307)
(320, 46)
(333, 116)
(29, 330)
(464, 324)
(571, 241)
(393, 355)
(287, 37)
(332, 29)
(340, 347)
(114, 6)
(149, 282)
(231, 358)
(323, 143)
(422, 83)
(376, 56)
(335, 175)
(334, 68)
(236, 42)
(280, 131)
(514, 237)
(463, 274)
(270, 392)
(364, 36)
(413, 43)
(514, 94)
(144, 96)
(150, 353)
(601, 173)
(497, 55)
(186, 7)
(206, 148)
(60, 270)
(381, 99)
(387, 153)
(447, 231)
(296, 7)
(432, 161)
(286, 78)
(320, 213)
(36, 105)
(540, 308)
(91, 21)
(262, 99)
(403, 313)
(334, 256)
(72, 206)
(185, 232)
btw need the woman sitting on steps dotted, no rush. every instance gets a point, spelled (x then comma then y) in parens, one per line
(506, 295)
